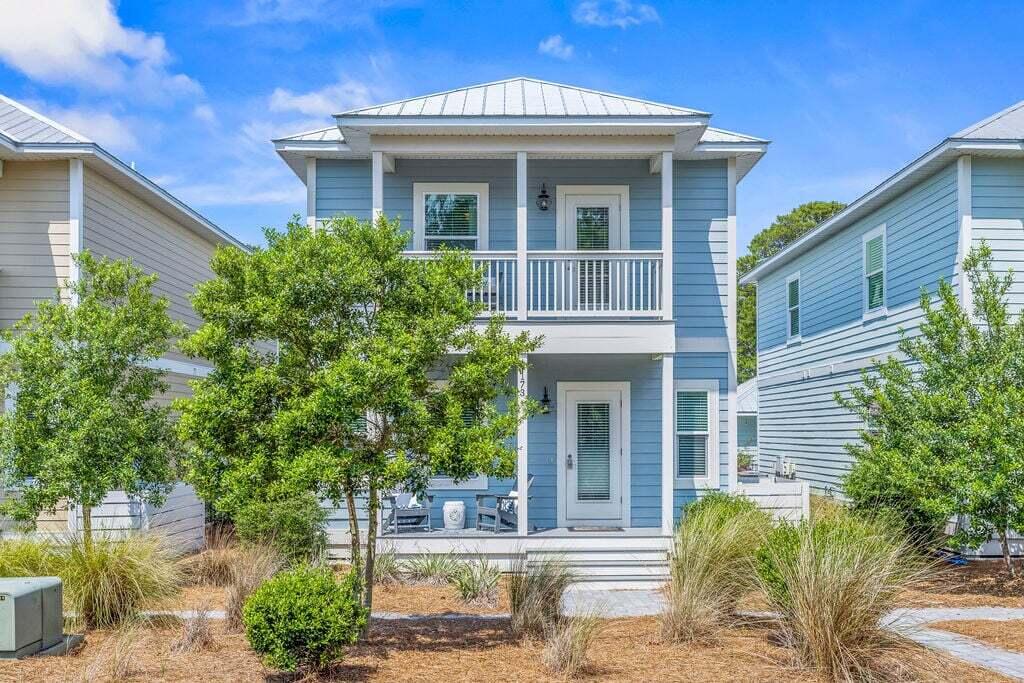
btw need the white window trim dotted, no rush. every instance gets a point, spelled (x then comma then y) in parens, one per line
(419, 217)
(882, 310)
(793, 338)
(477, 483)
(562, 191)
(712, 480)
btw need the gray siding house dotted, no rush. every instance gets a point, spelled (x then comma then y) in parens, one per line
(835, 300)
(61, 193)
(605, 223)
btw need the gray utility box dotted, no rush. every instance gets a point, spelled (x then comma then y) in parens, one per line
(31, 615)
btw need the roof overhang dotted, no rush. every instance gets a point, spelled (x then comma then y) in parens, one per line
(110, 167)
(920, 169)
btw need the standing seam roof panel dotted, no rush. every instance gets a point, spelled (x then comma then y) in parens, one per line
(474, 102)
(533, 100)
(494, 100)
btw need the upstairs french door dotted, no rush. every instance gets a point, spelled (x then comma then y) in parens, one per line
(593, 223)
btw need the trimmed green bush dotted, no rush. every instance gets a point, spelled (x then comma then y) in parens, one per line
(781, 546)
(295, 526)
(303, 618)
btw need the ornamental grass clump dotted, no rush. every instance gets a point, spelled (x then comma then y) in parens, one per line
(432, 568)
(711, 565)
(256, 564)
(477, 581)
(832, 580)
(387, 570)
(214, 565)
(535, 593)
(567, 644)
(302, 619)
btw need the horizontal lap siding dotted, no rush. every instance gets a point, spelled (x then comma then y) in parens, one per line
(118, 225)
(798, 417)
(343, 188)
(34, 235)
(997, 193)
(700, 195)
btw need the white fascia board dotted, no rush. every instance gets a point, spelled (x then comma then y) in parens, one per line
(469, 123)
(509, 145)
(92, 154)
(576, 337)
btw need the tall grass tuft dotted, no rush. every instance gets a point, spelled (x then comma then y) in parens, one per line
(477, 581)
(196, 633)
(535, 594)
(712, 565)
(832, 580)
(27, 557)
(387, 569)
(256, 563)
(214, 564)
(567, 644)
(432, 568)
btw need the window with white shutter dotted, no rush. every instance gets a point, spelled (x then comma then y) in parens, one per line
(874, 270)
(793, 306)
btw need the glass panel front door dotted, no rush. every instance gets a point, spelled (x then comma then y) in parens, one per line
(593, 459)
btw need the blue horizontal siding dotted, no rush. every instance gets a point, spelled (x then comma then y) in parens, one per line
(343, 188)
(997, 193)
(700, 207)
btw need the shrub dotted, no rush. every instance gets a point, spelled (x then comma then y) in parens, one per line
(781, 546)
(107, 583)
(196, 634)
(432, 568)
(712, 564)
(477, 581)
(295, 526)
(386, 567)
(27, 557)
(213, 566)
(255, 564)
(303, 618)
(567, 644)
(834, 579)
(535, 594)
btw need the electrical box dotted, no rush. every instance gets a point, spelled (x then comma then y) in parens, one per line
(31, 615)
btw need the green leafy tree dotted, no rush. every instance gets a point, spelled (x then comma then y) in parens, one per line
(85, 421)
(326, 347)
(785, 230)
(946, 430)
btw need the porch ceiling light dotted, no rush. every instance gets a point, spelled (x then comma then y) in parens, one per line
(543, 199)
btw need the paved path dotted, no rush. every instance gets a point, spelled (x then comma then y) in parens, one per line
(910, 622)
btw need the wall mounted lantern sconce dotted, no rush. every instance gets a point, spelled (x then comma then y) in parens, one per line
(545, 402)
(543, 199)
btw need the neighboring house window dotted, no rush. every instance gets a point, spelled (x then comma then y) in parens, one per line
(874, 271)
(793, 306)
(696, 413)
(450, 214)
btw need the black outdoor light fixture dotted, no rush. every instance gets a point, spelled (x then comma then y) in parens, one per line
(545, 401)
(543, 199)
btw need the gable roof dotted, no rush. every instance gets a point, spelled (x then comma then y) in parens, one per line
(522, 97)
(25, 134)
(999, 135)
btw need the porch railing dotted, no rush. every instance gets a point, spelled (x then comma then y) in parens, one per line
(498, 291)
(594, 284)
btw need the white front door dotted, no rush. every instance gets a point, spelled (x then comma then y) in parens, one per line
(593, 457)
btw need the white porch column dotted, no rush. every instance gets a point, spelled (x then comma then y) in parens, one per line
(311, 192)
(521, 199)
(668, 439)
(666, 234)
(965, 212)
(522, 476)
(730, 325)
(377, 173)
(76, 219)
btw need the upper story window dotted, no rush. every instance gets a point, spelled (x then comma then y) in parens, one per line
(793, 306)
(450, 214)
(874, 271)
(696, 442)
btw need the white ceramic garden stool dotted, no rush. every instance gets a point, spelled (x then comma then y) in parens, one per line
(454, 514)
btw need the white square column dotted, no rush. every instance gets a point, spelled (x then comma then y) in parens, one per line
(377, 175)
(666, 235)
(311, 192)
(668, 439)
(522, 476)
(521, 262)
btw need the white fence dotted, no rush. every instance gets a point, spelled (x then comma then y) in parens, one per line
(180, 520)
(595, 284)
(785, 500)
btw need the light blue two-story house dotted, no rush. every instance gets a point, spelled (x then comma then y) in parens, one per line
(605, 224)
(834, 301)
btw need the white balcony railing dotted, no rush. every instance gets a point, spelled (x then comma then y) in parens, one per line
(594, 284)
(498, 292)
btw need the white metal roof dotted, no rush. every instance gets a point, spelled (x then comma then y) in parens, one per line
(522, 97)
(26, 134)
(22, 124)
(999, 135)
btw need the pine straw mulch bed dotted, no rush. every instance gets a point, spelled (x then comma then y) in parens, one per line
(1008, 635)
(979, 583)
(436, 650)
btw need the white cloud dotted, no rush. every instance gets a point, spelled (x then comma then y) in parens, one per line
(556, 47)
(112, 132)
(619, 13)
(338, 12)
(341, 96)
(82, 42)
(205, 113)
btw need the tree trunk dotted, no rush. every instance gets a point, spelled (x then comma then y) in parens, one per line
(1005, 544)
(371, 551)
(353, 529)
(87, 527)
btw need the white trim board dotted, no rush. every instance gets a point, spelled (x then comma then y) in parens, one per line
(625, 424)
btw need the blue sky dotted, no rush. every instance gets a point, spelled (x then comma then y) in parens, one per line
(192, 91)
